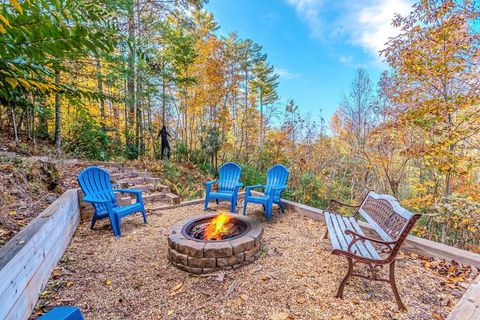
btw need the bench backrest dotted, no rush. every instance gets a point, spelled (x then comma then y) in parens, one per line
(384, 214)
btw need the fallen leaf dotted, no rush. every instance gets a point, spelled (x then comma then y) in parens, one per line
(281, 316)
(170, 312)
(177, 287)
(301, 300)
(244, 297)
(437, 316)
(56, 272)
(108, 282)
(69, 284)
(239, 301)
(12, 212)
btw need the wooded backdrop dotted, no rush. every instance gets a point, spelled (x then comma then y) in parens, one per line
(99, 79)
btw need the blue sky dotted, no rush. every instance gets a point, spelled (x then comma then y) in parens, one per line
(315, 45)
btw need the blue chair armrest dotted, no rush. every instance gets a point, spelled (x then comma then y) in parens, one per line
(257, 186)
(209, 183)
(279, 188)
(248, 189)
(137, 193)
(134, 191)
(93, 200)
(239, 184)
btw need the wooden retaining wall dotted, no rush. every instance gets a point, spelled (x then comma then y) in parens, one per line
(28, 259)
(468, 308)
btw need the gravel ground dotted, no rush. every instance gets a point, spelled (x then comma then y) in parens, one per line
(295, 278)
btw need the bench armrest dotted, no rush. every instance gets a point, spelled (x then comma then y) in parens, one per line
(336, 202)
(356, 237)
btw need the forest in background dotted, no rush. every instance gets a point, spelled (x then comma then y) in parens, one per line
(98, 79)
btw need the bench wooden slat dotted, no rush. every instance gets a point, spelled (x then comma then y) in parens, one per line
(339, 233)
(337, 225)
(330, 228)
(357, 248)
(367, 244)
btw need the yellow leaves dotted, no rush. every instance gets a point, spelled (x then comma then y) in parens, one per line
(108, 282)
(12, 81)
(5, 21)
(11, 213)
(17, 6)
(24, 82)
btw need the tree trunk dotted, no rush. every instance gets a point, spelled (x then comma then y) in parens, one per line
(58, 117)
(14, 123)
(100, 91)
(131, 73)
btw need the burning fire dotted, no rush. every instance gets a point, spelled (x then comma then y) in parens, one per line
(218, 227)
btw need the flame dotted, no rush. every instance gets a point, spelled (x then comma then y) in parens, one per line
(218, 227)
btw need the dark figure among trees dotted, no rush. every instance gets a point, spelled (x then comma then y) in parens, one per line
(165, 146)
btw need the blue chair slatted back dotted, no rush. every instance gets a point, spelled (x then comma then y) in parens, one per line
(277, 176)
(95, 182)
(229, 176)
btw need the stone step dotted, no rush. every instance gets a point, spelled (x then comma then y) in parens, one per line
(144, 187)
(118, 176)
(124, 201)
(129, 170)
(163, 188)
(124, 183)
(111, 170)
(152, 180)
(143, 174)
(153, 197)
(172, 198)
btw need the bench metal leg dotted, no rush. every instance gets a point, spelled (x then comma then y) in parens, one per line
(345, 280)
(400, 304)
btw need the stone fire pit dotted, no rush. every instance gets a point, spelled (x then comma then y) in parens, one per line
(203, 256)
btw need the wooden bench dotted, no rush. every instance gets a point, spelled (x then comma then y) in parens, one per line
(391, 222)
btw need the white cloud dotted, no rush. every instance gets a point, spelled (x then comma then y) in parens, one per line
(345, 59)
(309, 11)
(373, 24)
(284, 73)
(366, 23)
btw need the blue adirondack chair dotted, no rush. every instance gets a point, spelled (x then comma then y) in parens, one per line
(62, 313)
(228, 185)
(277, 177)
(95, 183)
